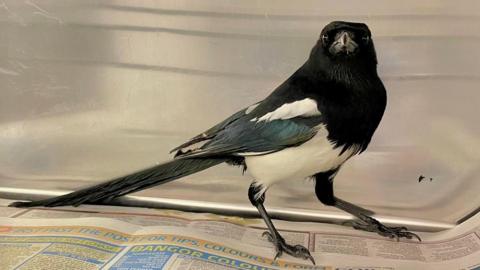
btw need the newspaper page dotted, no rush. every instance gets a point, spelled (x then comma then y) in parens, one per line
(130, 238)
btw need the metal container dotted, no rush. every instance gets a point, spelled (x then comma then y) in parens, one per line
(91, 90)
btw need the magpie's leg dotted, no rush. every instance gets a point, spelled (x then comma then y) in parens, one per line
(324, 192)
(257, 198)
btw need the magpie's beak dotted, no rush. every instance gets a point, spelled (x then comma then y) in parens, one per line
(343, 44)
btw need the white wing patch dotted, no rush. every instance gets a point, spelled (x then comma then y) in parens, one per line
(306, 107)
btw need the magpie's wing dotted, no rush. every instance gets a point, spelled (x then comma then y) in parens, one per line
(210, 133)
(248, 136)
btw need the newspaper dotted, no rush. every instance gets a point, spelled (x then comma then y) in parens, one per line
(121, 238)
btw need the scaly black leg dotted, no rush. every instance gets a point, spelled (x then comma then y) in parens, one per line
(324, 192)
(257, 199)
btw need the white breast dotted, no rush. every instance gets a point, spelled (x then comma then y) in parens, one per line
(316, 155)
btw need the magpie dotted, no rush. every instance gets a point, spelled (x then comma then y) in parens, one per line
(309, 126)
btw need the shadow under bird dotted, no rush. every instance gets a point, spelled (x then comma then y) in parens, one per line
(322, 115)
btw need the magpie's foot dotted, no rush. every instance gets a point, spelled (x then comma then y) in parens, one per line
(297, 251)
(370, 224)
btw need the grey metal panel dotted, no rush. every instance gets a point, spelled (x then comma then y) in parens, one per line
(234, 209)
(96, 89)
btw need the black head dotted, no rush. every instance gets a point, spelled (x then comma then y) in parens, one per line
(344, 40)
(346, 46)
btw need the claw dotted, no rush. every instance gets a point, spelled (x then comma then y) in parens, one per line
(410, 235)
(372, 225)
(269, 236)
(278, 255)
(302, 251)
(281, 246)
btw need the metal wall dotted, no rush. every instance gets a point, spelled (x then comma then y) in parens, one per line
(95, 89)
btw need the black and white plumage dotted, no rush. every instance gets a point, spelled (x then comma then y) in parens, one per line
(318, 118)
(322, 115)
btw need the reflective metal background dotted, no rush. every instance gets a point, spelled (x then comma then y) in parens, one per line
(95, 89)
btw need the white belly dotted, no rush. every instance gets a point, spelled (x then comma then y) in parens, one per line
(316, 155)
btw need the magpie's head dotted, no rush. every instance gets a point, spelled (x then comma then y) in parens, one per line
(346, 40)
(347, 45)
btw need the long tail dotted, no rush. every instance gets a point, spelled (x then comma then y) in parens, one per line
(127, 184)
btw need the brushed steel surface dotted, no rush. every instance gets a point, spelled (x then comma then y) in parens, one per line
(234, 209)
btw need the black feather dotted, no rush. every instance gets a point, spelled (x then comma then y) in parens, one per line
(147, 178)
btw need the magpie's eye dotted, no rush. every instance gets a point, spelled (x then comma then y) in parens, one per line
(325, 38)
(366, 39)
